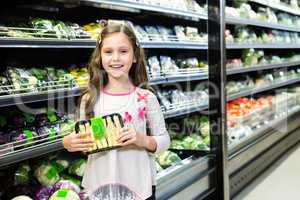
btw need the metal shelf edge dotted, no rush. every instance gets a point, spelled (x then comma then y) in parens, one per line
(142, 6)
(278, 7)
(262, 89)
(25, 154)
(230, 20)
(261, 67)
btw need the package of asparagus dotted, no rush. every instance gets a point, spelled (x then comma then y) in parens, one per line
(104, 130)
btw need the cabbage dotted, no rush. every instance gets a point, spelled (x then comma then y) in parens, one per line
(67, 185)
(72, 179)
(77, 167)
(22, 174)
(22, 197)
(44, 193)
(60, 165)
(64, 194)
(46, 174)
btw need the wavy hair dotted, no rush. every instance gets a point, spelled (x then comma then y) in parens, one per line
(98, 77)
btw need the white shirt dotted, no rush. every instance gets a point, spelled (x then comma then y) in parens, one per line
(131, 166)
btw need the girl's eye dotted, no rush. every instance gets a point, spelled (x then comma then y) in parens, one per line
(124, 51)
(107, 52)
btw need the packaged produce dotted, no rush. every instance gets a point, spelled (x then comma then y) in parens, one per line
(60, 164)
(64, 194)
(94, 29)
(154, 65)
(44, 193)
(71, 178)
(5, 87)
(22, 197)
(22, 80)
(77, 167)
(180, 33)
(22, 174)
(67, 185)
(153, 33)
(104, 130)
(165, 33)
(168, 65)
(23, 138)
(167, 158)
(47, 174)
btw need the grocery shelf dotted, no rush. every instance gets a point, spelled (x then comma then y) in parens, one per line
(254, 158)
(241, 21)
(180, 77)
(37, 150)
(184, 111)
(148, 7)
(90, 44)
(262, 89)
(278, 6)
(46, 43)
(173, 45)
(263, 46)
(261, 67)
(260, 132)
(15, 99)
(176, 182)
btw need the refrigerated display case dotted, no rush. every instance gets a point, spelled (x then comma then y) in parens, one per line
(44, 49)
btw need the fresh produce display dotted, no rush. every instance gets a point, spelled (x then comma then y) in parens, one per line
(43, 28)
(186, 5)
(251, 57)
(167, 66)
(104, 130)
(41, 179)
(265, 79)
(246, 35)
(161, 33)
(167, 159)
(267, 15)
(176, 99)
(245, 115)
(32, 79)
(77, 167)
(64, 194)
(20, 130)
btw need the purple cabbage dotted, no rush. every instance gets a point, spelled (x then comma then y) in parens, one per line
(44, 193)
(68, 185)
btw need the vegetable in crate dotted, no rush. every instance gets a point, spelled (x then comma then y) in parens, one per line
(167, 158)
(77, 167)
(60, 164)
(47, 174)
(72, 179)
(64, 194)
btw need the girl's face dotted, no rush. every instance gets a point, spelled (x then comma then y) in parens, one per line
(117, 55)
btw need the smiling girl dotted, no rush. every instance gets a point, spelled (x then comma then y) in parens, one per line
(118, 84)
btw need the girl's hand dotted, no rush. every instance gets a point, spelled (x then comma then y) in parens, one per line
(77, 142)
(129, 136)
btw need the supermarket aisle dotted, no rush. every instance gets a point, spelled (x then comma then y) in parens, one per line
(281, 181)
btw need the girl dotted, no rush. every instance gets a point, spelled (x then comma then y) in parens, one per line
(117, 73)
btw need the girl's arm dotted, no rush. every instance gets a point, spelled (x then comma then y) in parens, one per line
(159, 139)
(159, 136)
(78, 142)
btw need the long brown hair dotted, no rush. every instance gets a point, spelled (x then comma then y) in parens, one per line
(98, 76)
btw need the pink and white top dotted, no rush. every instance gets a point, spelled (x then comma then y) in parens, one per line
(131, 166)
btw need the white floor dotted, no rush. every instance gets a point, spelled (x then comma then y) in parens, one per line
(281, 181)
